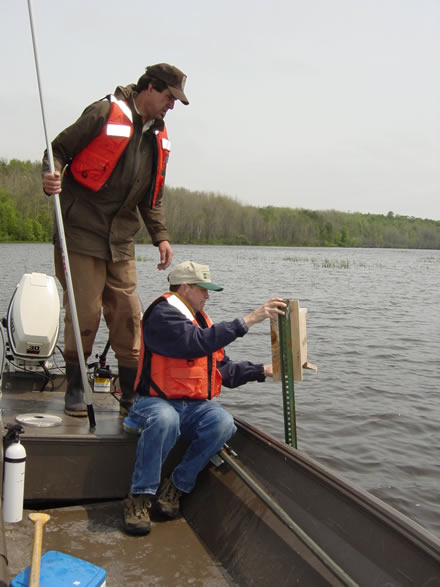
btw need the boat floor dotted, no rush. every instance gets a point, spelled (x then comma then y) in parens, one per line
(170, 555)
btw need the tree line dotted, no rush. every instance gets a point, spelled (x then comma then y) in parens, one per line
(26, 214)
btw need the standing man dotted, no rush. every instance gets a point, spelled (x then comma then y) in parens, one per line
(110, 165)
(181, 369)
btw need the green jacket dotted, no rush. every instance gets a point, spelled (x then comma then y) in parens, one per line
(103, 224)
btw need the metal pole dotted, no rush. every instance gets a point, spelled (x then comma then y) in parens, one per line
(286, 363)
(286, 519)
(60, 225)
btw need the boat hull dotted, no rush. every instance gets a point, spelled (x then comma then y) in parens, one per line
(247, 540)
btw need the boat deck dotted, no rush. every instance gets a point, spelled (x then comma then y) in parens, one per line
(70, 463)
(22, 395)
(170, 555)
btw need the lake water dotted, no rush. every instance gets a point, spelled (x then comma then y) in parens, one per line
(372, 412)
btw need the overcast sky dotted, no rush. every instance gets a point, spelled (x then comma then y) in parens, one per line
(319, 104)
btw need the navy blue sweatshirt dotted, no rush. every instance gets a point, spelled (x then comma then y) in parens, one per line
(169, 333)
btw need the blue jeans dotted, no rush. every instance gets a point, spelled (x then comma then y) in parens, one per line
(205, 424)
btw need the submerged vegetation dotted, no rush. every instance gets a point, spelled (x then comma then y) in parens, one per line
(26, 214)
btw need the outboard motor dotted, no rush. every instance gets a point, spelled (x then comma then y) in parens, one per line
(32, 322)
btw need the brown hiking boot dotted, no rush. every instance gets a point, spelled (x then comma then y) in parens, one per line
(168, 499)
(136, 518)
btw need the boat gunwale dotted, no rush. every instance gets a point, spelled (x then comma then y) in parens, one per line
(365, 500)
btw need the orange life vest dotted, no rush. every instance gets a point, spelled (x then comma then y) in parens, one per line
(172, 378)
(95, 163)
(163, 152)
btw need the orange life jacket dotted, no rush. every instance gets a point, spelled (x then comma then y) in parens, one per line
(95, 163)
(171, 378)
(163, 152)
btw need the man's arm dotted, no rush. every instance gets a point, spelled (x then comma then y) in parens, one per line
(154, 220)
(73, 140)
(238, 373)
(168, 332)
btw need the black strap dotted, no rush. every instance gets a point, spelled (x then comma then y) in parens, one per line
(157, 389)
(146, 381)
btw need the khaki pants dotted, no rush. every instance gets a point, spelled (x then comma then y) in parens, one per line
(107, 286)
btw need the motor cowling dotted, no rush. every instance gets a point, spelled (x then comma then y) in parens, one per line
(33, 317)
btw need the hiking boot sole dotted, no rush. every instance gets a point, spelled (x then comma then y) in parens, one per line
(77, 413)
(165, 509)
(136, 530)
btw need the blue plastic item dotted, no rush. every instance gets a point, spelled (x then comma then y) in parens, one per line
(62, 570)
(131, 426)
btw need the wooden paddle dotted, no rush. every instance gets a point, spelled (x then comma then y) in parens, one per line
(38, 520)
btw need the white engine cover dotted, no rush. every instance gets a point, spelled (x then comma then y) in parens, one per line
(34, 317)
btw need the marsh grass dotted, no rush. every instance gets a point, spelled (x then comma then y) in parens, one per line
(335, 263)
(324, 263)
(296, 259)
(431, 260)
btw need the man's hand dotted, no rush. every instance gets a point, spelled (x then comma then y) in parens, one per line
(269, 309)
(52, 183)
(166, 255)
(268, 371)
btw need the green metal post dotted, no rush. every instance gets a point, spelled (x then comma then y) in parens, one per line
(286, 363)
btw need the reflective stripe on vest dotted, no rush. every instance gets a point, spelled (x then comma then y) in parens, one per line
(173, 378)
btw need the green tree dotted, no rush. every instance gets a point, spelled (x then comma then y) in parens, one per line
(26, 213)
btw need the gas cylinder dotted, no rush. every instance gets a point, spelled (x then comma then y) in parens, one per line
(13, 482)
